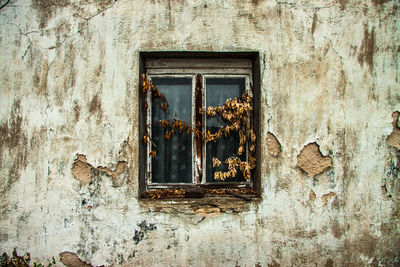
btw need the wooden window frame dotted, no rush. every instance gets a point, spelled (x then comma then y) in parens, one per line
(206, 65)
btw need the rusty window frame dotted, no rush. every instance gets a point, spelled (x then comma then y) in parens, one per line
(205, 73)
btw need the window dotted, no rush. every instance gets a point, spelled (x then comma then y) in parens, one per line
(198, 122)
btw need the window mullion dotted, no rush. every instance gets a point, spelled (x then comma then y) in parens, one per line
(198, 129)
(203, 129)
(149, 106)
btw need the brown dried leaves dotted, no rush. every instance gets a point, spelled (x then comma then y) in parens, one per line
(164, 193)
(237, 116)
(216, 162)
(180, 193)
(233, 164)
(176, 125)
(148, 85)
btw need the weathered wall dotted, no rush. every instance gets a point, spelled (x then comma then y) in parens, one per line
(330, 153)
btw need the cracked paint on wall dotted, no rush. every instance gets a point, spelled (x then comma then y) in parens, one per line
(312, 161)
(394, 138)
(83, 171)
(70, 259)
(329, 72)
(273, 145)
(326, 197)
(311, 195)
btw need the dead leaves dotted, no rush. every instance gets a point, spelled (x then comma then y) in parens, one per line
(252, 136)
(240, 150)
(233, 109)
(253, 148)
(242, 138)
(236, 113)
(173, 125)
(221, 175)
(181, 125)
(211, 111)
(241, 191)
(214, 136)
(164, 124)
(168, 135)
(180, 193)
(146, 139)
(145, 84)
(163, 193)
(234, 163)
(163, 106)
(216, 162)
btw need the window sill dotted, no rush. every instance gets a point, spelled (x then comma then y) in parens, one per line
(208, 205)
(244, 193)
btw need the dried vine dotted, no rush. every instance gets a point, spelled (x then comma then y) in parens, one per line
(236, 113)
(164, 193)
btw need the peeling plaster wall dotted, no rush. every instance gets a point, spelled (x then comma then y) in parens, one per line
(69, 133)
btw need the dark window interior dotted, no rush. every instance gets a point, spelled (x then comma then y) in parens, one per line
(173, 163)
(218, 90)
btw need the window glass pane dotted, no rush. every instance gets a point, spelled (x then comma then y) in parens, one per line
(173, 162)
(218, 90)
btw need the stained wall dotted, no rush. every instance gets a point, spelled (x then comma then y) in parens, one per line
(330, 102)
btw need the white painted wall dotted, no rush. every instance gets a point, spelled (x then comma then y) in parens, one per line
(69, 85)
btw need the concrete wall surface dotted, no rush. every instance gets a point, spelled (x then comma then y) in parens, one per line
(330, 136)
